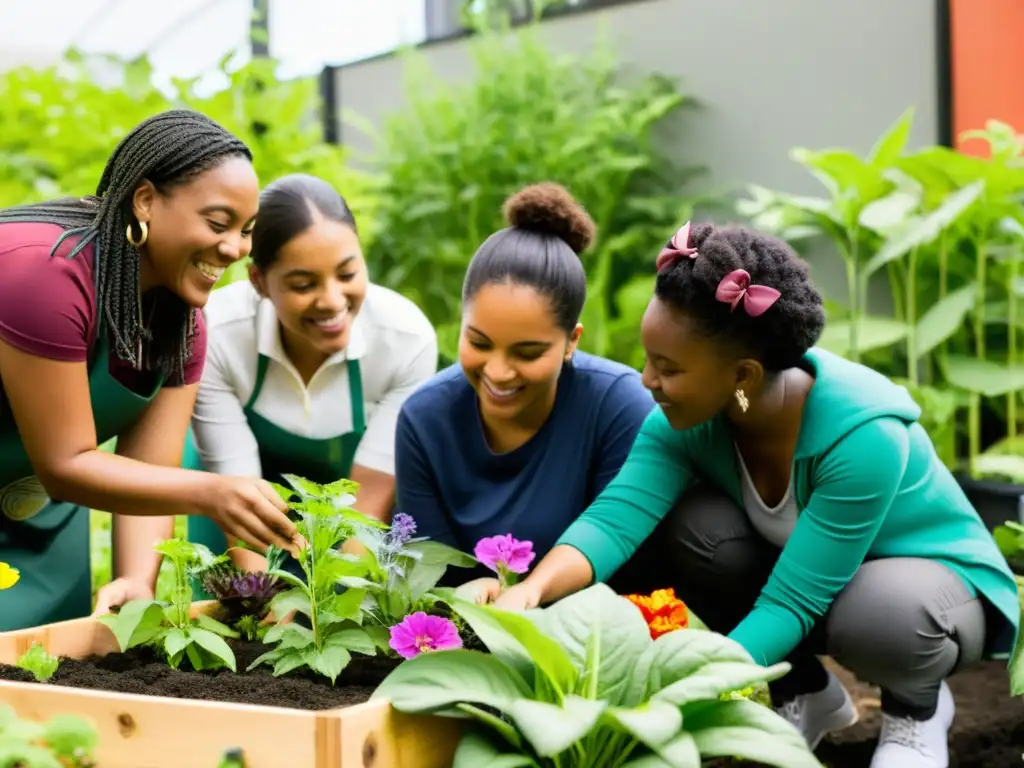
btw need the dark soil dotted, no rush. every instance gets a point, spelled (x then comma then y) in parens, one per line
(141, 671)
(987, 732)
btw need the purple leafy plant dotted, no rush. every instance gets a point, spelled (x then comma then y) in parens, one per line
(241, 593)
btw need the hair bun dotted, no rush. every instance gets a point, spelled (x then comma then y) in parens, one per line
(550, 209)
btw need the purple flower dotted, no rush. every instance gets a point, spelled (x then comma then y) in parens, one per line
(403, 527)
(505, 554)
(421, 633)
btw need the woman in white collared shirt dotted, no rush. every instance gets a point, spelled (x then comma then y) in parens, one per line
(308, 363)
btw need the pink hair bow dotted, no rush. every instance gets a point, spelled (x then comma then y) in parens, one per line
(678, 247)
(735, 287)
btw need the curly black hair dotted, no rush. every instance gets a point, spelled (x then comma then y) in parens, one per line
(779, 337)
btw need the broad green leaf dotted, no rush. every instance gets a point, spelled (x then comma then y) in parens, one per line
(891, 144)
(214, 644)
(285, 493)
(888, 213)
(656, 761)
(653, 723)
(289, 635)
(681, 752)
(943, 319)
(623, 631)
(518, 642)
(500, 725)
(743, 729)
(985, 377)
(70, 736)
(353, 639)
(435, 682)
(329, 661)
(294, 599)
(289, 660)
(553, 728)
(872, 333)
(175, 641)
(136, 622)
(477, 751)
(432, 559)
(1017, 666)
(713, 679)
(211, 624)
(305, 488)
(1009, 468)
(676, 655)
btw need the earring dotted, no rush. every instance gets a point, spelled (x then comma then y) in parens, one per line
(741, 398)
(142, 240)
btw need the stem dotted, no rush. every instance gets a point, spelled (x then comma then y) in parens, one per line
(943, 282)
(979, 311)
(974, 411)
(1011, 353)
(911, 317)
(852, 285)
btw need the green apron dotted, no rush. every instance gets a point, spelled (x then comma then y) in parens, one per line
(322, 460)
(48, 540)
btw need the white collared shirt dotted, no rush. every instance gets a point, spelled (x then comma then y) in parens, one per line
(391, 337)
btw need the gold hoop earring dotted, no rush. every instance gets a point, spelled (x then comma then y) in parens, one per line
(741, 398)
(142, 240)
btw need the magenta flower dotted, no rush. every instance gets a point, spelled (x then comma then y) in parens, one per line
(421, 633)
(505, 555)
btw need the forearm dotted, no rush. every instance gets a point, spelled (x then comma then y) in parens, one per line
(133, 541)
(563, 571)
(121, 485)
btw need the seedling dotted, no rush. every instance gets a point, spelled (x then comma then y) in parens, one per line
(65, 741)
(169, 627)
(325, 520)
(37, 661)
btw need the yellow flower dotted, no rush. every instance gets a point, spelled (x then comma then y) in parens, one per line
(8, 576)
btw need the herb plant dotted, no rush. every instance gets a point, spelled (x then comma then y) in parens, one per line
(403, 571)
(38, 662)
(169, 627)
(65, 741)
(581, 684)
(325, 520)
(244, 596)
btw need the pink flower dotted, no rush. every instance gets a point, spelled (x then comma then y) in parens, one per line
(505, 554)
(421, 633)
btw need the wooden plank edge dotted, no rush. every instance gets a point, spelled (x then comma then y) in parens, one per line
(375, 735)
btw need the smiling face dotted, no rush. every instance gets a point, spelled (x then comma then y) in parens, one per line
(512, 350)
(317, 284)
(197, 229)
(692, 377)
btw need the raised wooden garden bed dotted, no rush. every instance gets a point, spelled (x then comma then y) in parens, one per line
(142, 731)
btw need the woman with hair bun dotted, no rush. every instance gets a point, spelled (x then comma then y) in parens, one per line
(803, 505)
(524, 431)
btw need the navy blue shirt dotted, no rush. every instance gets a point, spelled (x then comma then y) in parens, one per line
(459, 491)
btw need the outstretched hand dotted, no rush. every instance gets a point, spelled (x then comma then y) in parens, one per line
(520, 597)
(120, 591)
(479, 591)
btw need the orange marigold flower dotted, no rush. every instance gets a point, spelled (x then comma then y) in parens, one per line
(662, 610)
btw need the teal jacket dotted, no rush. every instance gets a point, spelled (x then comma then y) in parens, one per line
(869, 485)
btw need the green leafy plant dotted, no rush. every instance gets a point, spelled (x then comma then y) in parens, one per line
(447, 161)
(64, 741)
(403, 571)
(332, 593)
(582, 684)
(38, 662)
(169, 627)
(946, 230)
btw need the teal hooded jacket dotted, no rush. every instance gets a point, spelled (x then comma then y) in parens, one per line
(868, 483)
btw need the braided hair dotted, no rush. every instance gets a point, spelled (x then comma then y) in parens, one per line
(168, 149)
(779, 337)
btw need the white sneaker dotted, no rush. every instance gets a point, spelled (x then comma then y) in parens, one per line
(816, 714)
(906, 743)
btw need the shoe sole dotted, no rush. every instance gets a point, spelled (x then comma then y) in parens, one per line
(838, 720)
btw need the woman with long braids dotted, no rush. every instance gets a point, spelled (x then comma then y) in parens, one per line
(101, 337)
(803, 506)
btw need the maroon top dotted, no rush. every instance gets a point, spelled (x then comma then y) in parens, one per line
(48, 303)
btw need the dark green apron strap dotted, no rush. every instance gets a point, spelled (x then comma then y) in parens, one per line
(355, 390)
(261, 373)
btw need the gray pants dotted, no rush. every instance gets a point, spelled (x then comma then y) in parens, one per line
(904, 624)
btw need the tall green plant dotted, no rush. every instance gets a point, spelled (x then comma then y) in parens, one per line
(449, 159)
(581, 684)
